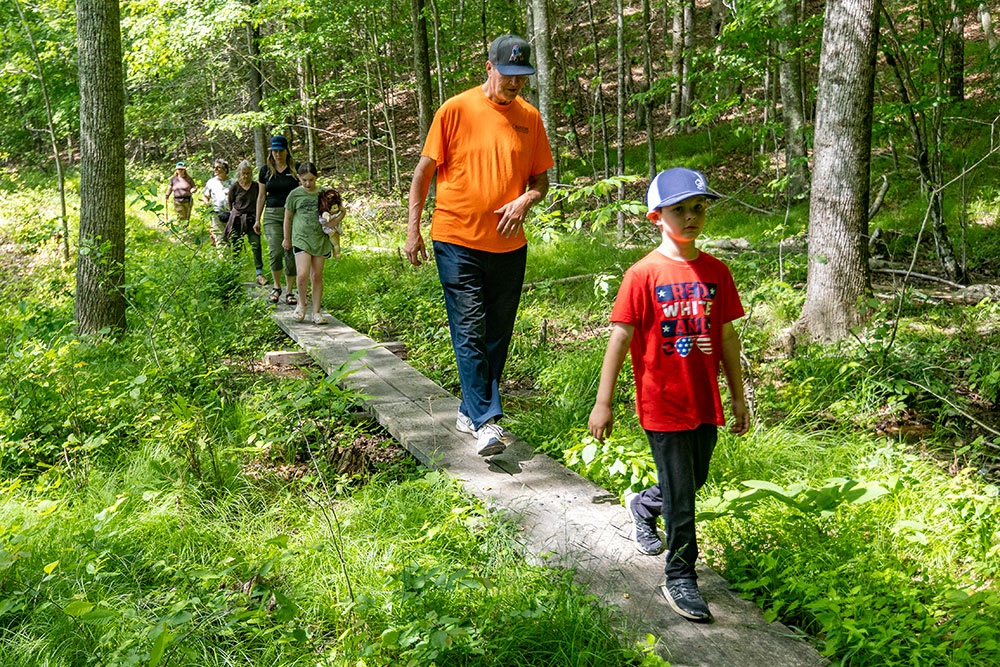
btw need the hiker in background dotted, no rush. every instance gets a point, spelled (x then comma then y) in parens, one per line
(305, 237)
(216, 195)
(181, 187)
(489, 149)
(242, 202)
(277, 179)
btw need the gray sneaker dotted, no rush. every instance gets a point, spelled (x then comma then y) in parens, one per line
(644, 534)
(683, 597)
(489, 439)
(464, 425)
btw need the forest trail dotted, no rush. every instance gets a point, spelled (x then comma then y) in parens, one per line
(564, 519)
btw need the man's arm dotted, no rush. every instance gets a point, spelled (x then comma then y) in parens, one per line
(421, 183)
(512, 214)
(734, 378)
(601, 417)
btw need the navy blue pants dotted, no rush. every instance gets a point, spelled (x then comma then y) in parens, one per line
(681, 459)
(481, 294)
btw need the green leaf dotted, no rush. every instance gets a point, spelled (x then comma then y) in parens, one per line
(159, 645)
(588, 453)
(78, 608)
(761, 484)
(51, 566)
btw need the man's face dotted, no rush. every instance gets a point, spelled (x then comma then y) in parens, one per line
(501, 88)
(684, 220)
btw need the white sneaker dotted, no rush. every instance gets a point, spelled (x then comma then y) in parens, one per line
(489, 439)
(464, 425)
(300, 313)
(318, 318)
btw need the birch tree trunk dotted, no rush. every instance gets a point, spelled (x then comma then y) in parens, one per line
(687, 89)
(100, 268)
(956, 59)
(620, 127)
(987, 21)
(256, 85)
(838, 274)
(543, 69)
(599, 93)
(647, 74)
(676, 60)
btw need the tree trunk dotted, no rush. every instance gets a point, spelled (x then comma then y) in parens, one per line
(421, 67)
(792, 113)
(543, 69)
(256, 84)
(100, 269)
(305, 72)
(687, 90)
(647, 75)
(620, 127)
(838, 274)
(599, 93)
(52, 131)
(987, 20)
(956, 60)
(437, 52)
(676, 61)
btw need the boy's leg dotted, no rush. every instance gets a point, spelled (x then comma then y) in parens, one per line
(682, 459)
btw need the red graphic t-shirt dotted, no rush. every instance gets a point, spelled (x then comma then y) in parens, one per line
(678, 310)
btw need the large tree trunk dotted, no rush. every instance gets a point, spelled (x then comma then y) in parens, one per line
(620, 127)
(100, 268)
(792, 113)
(421, 67)
(256, 85)
(838, 207)
(598, 92)
(987, 20)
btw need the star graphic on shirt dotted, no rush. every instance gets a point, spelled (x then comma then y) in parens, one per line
(662, 293)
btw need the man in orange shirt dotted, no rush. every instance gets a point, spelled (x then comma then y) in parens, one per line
(491, 154)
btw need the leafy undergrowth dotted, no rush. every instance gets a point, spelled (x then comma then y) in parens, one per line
(861, 508)
(167, 501)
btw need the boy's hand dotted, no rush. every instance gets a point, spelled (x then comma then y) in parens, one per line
(601, 422)
(741, 419)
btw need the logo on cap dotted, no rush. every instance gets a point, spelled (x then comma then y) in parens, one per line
(699, 182)
(516, 56)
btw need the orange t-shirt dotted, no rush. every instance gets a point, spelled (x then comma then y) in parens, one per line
(485, 154)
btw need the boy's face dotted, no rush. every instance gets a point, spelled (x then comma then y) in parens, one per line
(684, 220)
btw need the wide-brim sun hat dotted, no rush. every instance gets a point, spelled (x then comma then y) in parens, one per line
(677, 184)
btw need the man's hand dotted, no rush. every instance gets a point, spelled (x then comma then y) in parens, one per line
(512, 216)
(741, 419)
(415, 249)
(601, 421)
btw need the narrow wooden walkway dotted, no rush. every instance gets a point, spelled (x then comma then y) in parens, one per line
(567, 520)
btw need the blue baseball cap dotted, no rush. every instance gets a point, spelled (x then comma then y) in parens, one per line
(511, 55)
(674, 185)
(279, 143)
(180, 165)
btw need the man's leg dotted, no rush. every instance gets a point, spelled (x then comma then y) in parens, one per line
(503, 280)
(461, 272)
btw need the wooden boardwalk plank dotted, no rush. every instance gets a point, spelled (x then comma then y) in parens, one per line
(564, 519)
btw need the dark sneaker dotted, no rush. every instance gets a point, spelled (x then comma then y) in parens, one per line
(647, 541)
(683, 597)
(490, 439)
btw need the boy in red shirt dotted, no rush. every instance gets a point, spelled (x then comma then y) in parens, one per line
(674, 312)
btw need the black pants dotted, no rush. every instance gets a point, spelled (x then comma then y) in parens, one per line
(681, 459)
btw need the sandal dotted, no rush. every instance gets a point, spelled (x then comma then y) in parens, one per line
(299, 314)
(317, 318)
(290, 299)
(275, 295)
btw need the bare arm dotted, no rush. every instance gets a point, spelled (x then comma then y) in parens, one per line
(734, 378)
(601, 419)
(261, 200)
(422, 174)
(287, 243)
(512, 214)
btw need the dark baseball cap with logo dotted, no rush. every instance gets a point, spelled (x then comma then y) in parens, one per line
(511, 55)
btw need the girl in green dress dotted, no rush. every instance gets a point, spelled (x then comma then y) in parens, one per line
(307, 241)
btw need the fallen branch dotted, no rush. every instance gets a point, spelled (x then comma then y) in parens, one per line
(961, 412)
(922, 276)
(549, 281)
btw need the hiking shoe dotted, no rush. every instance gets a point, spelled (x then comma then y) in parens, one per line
(683, 597)
(464, 425)
(644, 534)
(489, 439)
